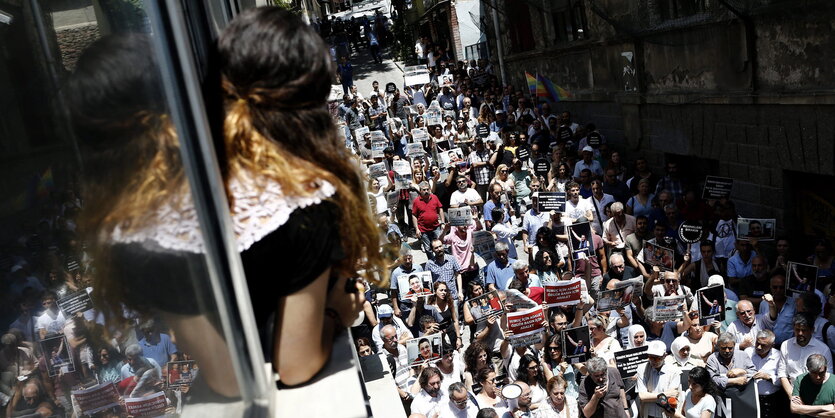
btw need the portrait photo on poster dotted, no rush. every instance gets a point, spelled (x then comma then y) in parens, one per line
(618, 297)
(424, 350)
(576, 344)
(711, 303)
(802, 277)
(656, 255)
(181, 373)
(581, 240)
(57, 355)
(761, 229)
(414, 285)
(486, 305)
(452, 156)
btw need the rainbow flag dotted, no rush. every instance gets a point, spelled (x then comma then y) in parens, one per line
(532, 83)
(541, 91)
(556, 92)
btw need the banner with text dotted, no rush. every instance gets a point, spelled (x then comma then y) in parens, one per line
(563, 292)
(526, 326)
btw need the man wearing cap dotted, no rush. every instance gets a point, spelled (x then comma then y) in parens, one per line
(654, 378)
(589, 163)
(385, 313)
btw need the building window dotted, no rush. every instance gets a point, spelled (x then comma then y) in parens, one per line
(569, 17)
(519, 27)
(675, 9)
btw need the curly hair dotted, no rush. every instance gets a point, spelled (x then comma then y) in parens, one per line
(472, 353)
(275, 73)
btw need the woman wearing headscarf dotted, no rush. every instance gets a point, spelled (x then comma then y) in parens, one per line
(637, 336)
(681, 355)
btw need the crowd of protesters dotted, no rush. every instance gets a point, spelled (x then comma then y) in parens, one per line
(512, 148)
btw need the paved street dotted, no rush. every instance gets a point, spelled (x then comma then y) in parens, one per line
(366, 71)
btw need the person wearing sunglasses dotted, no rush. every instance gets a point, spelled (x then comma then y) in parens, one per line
(460, 404)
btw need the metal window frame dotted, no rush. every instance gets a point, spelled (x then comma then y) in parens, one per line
(181, 83)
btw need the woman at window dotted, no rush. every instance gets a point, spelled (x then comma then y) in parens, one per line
(292, 191)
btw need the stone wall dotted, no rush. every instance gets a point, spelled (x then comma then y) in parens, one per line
(752, 102)
(73, 40)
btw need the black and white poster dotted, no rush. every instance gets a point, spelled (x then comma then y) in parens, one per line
(627, 361)
(802, 278)
(711, 303)
(79, 301)
(691, 232)
(580, 238)
(461, 216)
(760, 229)
(549, 201)
(576, 344)
(717, 187)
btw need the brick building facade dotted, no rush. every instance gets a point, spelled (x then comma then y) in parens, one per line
(737, 88)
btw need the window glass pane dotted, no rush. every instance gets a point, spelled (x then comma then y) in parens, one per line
(105, 288)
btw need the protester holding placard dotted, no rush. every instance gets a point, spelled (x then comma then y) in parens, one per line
(656, 377)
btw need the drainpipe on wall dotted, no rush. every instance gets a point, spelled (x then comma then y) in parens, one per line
(499, 47)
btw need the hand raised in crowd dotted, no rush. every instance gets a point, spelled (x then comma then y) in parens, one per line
(346, 302)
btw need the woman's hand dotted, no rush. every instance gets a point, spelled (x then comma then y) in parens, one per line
(346, 304)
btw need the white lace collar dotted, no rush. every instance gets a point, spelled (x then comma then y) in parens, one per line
(256, 213)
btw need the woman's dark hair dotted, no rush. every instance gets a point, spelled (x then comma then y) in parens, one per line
(120, 117)
(525, 375)
(539, 260)
(471, 355)
(275, 73)
(700, 376)
(423, 340)
(114, 356)
(553, 339)
(472, 285)
(481, 375)
(548, 235)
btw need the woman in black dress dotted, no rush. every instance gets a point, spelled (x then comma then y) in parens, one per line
(301, 220)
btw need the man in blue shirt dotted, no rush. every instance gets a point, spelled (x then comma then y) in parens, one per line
(739, 266)
(495, 201)
(156, 345)
(500, 272)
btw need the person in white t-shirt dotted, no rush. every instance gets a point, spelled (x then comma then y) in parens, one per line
(575, 206)
(465, 195)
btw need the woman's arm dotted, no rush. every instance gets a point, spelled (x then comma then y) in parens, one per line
(303, 334)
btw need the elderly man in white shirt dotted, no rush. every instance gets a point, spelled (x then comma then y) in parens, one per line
(748, 324)
(796, 350)
(460, 405)
(771, 369)
(655, 377)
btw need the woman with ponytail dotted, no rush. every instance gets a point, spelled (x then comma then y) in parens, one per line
(296, 190)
